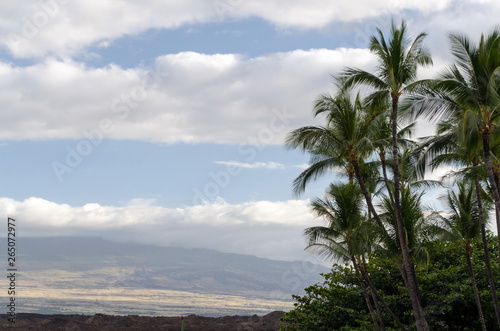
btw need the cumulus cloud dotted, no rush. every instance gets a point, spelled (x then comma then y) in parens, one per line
(185, 97)
(191, 97)
(471, 18)
(319, 13)
(63, 28)
(263, 228)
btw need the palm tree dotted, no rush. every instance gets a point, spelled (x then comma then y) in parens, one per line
(396, 75)
(464, 225)
(420, 232)
(470, 88)
(457, 145)
(345, 142)
(382, 142)
(340, 239)
(346, 237)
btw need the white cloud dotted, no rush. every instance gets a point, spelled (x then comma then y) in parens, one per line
(261, 165)
(301, 166)
(64, 28)
(265, 229)
(471, 17)
(254, 165)
(319, 13)
(221, 98)
(186, 97)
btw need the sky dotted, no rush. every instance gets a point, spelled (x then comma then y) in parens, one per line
(163, 122)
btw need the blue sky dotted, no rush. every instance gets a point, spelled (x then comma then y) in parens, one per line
(163, 121)
(118, 171)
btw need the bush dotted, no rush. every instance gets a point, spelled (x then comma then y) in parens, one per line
(338, 303)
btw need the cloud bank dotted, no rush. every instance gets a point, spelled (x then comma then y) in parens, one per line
(262, 228)
(185, 97)
(61, 27)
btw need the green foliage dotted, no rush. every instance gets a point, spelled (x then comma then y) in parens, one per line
(445, 288)
(447, 291)
(337, 304)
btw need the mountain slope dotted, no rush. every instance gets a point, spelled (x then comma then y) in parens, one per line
(70, 267)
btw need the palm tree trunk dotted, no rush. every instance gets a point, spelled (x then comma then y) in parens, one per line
(467, 249)
(364, 290)
(362, 185)
(497, 182)
(374, 290)
(497, 215)
(379, 311)
(412, 285)
(414, 273)
(491, 178)
(495, 174)
(384, 172)
(403, 273)
(484, 240)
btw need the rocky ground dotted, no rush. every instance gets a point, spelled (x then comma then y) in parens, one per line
(269, 322)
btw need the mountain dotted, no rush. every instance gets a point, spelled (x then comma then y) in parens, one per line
(68, 269)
